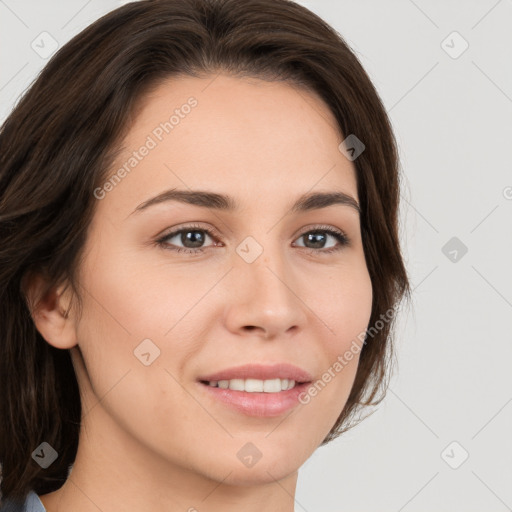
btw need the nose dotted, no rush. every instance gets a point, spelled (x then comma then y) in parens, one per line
(266, 297)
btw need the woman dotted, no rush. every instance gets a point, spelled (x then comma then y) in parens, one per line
(146, 368)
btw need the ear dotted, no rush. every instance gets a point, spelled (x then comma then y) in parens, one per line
(50, 311)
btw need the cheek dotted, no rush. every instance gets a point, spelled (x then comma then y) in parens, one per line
(131, 365)
(131, 310)
(132, 299)
(344, 304)
(346, 310)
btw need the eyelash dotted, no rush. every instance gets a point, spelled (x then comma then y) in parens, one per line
(339, 235)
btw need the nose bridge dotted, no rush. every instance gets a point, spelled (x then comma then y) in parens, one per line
(265, 260)
(273, 283)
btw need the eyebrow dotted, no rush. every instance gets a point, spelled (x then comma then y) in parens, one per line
(306, 202)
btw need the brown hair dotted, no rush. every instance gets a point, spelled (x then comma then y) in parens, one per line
(57, 146)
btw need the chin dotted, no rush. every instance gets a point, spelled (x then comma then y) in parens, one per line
(267, 466)
(260, 474)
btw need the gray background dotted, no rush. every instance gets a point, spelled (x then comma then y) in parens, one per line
(452, 117)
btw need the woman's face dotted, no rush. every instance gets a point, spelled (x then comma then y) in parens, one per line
(159, 319)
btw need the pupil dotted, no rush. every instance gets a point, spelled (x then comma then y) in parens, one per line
(196, 238)
(314, 236)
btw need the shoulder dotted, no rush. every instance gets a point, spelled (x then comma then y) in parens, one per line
(32, 503)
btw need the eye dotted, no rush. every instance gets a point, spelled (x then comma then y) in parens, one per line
(191, 236)
(317, 237)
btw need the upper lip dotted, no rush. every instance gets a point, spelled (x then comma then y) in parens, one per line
(261, 372)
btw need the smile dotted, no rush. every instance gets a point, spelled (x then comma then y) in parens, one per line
(263, 390)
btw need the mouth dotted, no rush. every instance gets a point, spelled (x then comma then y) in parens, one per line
(257, 390)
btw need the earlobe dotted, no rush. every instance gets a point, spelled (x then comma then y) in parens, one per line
(50, 312)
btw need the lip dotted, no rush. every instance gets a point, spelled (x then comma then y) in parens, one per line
(263, 405)
(261, 372)
(259, 404)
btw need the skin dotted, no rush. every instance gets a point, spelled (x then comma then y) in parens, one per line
(150, 438)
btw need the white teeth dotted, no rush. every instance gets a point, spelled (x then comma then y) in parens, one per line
(254, 385)
(236, 384)
(273, 386)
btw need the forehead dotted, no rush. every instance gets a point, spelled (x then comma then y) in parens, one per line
(245, 137)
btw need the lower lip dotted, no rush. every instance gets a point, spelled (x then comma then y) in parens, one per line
(258, 404)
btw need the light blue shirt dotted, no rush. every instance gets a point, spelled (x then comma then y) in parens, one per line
(32, 504)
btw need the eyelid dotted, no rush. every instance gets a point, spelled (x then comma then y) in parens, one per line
(211, 231)
(321, 227)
